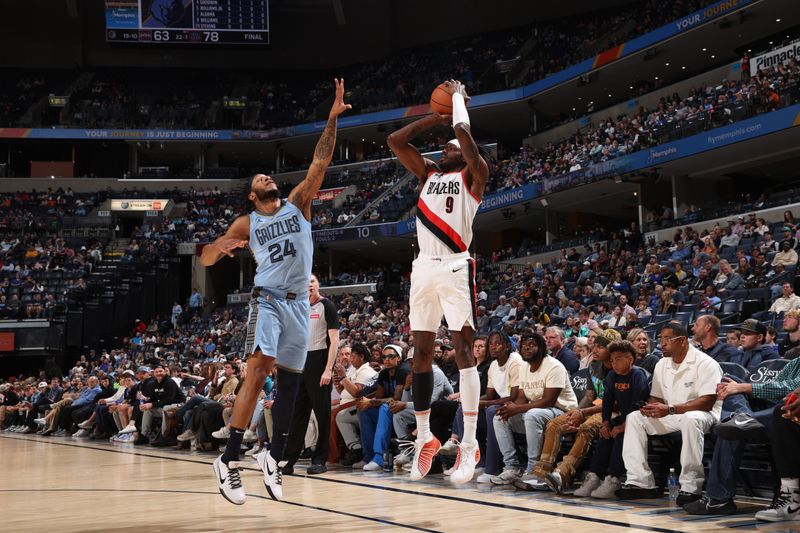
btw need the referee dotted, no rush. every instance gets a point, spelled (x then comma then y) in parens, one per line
(315, 386)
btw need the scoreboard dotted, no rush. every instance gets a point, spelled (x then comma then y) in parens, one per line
(187, 21)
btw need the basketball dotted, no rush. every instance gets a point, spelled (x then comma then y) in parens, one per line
(442, 100)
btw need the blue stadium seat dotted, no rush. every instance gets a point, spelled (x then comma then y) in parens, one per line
(735, 369)
(767, 371)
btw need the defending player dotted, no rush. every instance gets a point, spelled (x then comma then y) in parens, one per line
(443, 275)
(278, 232)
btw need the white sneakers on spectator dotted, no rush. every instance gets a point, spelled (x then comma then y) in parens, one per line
(464, 468)
(85, 425)
(372, 466)
(507, 476)
(249, 436)
(607, 491)
(253, 451)
(222, 433)
(484, 478)
(273, 479)
(590, 484)
(229, 481)
(130, 428)
(41, 421)
(449, 448)
(81, 433)
(786, 506)
(123, 437)
(186, 435)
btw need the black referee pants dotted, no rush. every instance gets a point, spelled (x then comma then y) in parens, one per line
(785, 439)
(310, 397)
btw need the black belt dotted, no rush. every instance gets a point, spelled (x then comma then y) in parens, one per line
(269, 293)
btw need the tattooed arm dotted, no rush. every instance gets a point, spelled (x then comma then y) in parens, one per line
(302, 195)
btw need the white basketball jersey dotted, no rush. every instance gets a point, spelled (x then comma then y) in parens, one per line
(445, 211)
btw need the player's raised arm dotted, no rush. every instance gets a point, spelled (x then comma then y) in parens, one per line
(407, 154)
(478, 169)
(237, 236)
(302, 195)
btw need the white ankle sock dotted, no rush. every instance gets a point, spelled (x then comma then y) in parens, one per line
(470, 390)
(423, 424)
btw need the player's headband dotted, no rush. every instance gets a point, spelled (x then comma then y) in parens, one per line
(455, 143)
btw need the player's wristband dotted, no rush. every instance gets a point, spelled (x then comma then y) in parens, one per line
(460, 115)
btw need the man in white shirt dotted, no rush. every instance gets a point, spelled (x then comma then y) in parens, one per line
(350, 385)
(683, 398)
(544, 392)
(789, 301)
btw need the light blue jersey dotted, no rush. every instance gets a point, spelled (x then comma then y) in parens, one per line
(279, 314)
(283, 248)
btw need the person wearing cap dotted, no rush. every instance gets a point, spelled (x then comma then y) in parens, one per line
(48, 394)
(683, 398)
(749, 408)
(585, 420)
(754, 352)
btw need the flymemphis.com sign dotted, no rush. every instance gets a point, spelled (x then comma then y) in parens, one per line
(779, 56)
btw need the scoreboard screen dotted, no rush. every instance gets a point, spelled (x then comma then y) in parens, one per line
(187, 21)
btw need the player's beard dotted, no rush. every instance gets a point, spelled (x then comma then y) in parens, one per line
(266, 195)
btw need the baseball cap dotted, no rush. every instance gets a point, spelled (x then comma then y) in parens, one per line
(607, 337)
(754, 326)
(143, 369)
(42, 384)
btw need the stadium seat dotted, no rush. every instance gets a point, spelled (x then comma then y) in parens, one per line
(734, 369)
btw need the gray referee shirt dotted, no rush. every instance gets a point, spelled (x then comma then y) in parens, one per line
(323, 318)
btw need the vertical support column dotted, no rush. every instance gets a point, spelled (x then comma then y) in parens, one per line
(133, 158)
(550, 226)
(640, 207)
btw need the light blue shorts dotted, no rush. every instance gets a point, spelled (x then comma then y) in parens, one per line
(278, 328)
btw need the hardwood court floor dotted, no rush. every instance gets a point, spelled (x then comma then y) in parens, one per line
(66, 484)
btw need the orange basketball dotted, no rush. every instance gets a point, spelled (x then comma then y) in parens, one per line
(442, 100)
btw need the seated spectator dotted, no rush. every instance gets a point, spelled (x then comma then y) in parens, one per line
(556, 348)
(753, 351)
(682, 399)
(586, 419)
(787, 256)
(788, 301)
(747, 415)
(625, 386)
(788, 348)
(645, 357)
(351, 384)
(706, 336)
(545, 392)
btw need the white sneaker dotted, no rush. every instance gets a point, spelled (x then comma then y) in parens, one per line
(222, 433)
(229, 481)
(86, 425)
(530, 482)
(484, 478)
(608, 490)
(449, 448)
(249, 436)
(253, 451)
(468, 456)
(186, 435)
(130, 428)
(507, 476)
(590, 484)
(424, 452)
(372, 466)
(81, 433)
(785, 507)
(40, 421)
(273, 479)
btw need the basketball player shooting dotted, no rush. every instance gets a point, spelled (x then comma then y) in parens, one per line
(278, 232)
(443, 275)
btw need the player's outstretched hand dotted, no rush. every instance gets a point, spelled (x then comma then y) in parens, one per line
(339, 106)
(459, 88)
(227, 246)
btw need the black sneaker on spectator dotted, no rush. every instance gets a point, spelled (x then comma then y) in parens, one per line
(315, 469)
(306, 454)
(353, 456)
(686, 498)
(740, 426)
(710, 506)
(273, 480)
(632, 492)
(229, 481)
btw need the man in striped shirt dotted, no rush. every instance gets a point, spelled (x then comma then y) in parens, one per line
(741, 399)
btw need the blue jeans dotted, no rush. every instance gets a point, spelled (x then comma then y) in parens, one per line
(532, 424)
(721, 483)
(376, 432)
(492, 460)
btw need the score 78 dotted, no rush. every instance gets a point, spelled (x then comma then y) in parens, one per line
(211, 36)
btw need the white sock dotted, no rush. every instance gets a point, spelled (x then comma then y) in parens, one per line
(470, 390)
(423, 424)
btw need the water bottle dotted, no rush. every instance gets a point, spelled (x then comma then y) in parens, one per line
(672, 484)
(388, 461)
